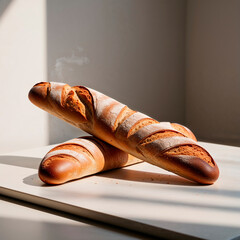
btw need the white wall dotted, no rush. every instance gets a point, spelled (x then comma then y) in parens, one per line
(22, 63)
(134, 49)
(213, 70)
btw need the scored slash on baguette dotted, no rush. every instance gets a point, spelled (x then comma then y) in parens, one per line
(168, 145)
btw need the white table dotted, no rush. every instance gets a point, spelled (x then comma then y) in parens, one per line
(22, 220)
(141, 197)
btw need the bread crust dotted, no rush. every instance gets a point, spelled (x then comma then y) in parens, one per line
(168, 145)
(81, 157)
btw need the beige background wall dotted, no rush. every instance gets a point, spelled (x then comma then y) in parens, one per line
(213, 70)
(22, 63)
(175, 60)
(135, 51)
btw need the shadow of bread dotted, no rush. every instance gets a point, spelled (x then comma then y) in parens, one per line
(147, 177)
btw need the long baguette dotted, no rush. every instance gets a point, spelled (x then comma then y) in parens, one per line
(170, 146)
(81, 157)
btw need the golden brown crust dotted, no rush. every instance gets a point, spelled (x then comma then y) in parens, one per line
(81, 157)
(140, 124)
(191, 150)
(136, 133)
(184, 130)
(159, 135)
(58, 169)
(123, 115)
(194, 168)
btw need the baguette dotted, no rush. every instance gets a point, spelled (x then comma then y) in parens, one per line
(81, 157)
(170, 146)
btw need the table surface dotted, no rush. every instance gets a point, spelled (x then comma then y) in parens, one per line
(19, 218)
(140, 197)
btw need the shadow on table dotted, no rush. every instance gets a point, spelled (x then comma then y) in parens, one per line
(202, 229)
(87, 229)
(147, 177)
(33, 180)
(20, 161)
(14, 227)
(125, 174)
(96, 230)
